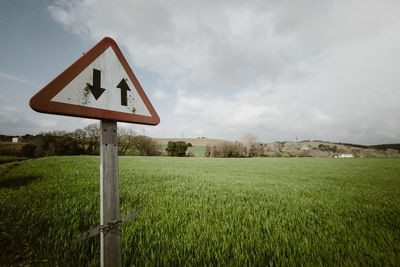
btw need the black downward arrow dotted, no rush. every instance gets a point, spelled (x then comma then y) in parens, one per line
(96, 89)
(124, 92)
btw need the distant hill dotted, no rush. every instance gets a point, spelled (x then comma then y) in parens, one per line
(315, 148)
(319, 148)
(194, 141)
(386, 146)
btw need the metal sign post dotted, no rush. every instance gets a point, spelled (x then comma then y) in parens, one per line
(110, 241)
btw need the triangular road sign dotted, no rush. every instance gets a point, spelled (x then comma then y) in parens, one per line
(99, 85)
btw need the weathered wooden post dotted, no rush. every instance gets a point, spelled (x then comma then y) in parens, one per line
(110, 241)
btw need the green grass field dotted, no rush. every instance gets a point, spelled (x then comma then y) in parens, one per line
(8, 159)
(210, 211)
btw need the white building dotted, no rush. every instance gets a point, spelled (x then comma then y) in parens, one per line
(15, 140)
(304, 148)
(346, 156)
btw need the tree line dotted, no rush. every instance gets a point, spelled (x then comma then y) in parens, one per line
(84, 141)
(247, 147)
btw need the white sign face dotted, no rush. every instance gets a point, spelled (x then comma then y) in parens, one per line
(99, 85)
(104, 84)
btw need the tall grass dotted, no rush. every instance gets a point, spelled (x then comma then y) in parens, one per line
(209, 211)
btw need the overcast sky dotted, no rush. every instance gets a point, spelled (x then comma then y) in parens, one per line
(280, 69)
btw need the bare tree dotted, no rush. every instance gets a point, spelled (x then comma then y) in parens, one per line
(54, 133)
(226, 150)
(207, 152)
(369, 153)
(125, 140)
(146, 145)
(93, 135)
(321, 154)
(248, 140)
(390, 152)
(305, 151)
(80, 137)
(274, 149)
(256, 150)
(291, 149)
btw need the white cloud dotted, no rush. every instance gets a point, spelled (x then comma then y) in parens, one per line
(264, 114)
(325, 69)
(10, 77)
(47, 124)
(160, 94)
(9, 114)
(12, 120)
(22, 120)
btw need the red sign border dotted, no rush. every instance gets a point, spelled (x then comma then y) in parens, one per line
(41, 101)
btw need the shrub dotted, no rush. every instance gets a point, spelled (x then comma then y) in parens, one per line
(49, 144)
(321, 154)
(390, 152)
(146, 146)
(327, 148)
(207, 152)
(292, 149)
(273, 149)
(28, 150)
(177, 149)
(369, 153)
(226, 150)
(256, 150)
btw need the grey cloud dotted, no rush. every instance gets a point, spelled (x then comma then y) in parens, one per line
(318, 69)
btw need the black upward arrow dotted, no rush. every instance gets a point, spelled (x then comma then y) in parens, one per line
(96, 89)
(124, 90)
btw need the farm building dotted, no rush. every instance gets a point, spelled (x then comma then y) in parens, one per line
(346, 156)
(15, 139)
(304, 148)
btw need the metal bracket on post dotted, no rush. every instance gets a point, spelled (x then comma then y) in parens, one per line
(105, 228)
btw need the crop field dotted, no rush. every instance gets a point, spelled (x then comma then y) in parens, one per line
(208, 211)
